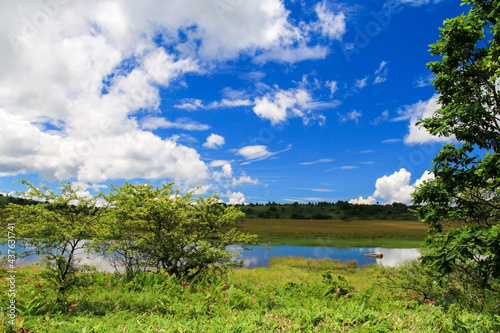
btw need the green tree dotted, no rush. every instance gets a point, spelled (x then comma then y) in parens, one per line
(177, 233)
(57, 227)
(466, 187)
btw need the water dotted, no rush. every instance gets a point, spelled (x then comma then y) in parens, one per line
(391, 257)
(261, 255)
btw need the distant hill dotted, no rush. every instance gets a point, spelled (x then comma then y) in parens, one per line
(5, 200)
(341, 210)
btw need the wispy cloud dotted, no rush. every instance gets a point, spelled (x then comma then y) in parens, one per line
(381, 73)
(361, 83)
(353, 115)
(392, 140)
(383, 117)
(348, 167)
(257, 153)
(323, 160)
(423, 81)
(152, 123)
(191, 104)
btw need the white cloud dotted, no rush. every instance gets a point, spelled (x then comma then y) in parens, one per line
(423, 81)
(229, 103)
(79, 87)
(283, 104)
(333, 86)
(361, 201)
(190, 104)
(244, 179)
(383, 117)
(153, 123)
(381, 73)
(235, 197)
(218, 163)
(214, 141)
(323, 160)
(254, 152)
(294, 54)
(331, 25)
(397, 187)
(415, 112)
(193, 104)
(320, 190)
(417, 3)
(227, 172)
(392, 141)
(353, 115)
(361, 83)
(257, 152)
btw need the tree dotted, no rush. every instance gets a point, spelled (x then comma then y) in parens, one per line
(466, 187)
(176, 233)
(57, 227)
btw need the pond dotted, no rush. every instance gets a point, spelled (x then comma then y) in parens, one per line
(261, 254)
(391, 257)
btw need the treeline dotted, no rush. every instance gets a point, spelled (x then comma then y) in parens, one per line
(7, 199)
(341, 210)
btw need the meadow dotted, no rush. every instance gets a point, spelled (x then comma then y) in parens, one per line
(292, 295)
(354, 233)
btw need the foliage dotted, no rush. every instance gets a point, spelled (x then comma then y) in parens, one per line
(260, 300)
(56, 228)
(471, 256)
(341, 210)
(176, 233)
(466, 187)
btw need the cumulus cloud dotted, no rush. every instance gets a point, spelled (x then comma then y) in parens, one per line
(80, 88)
(218, 163)
(394, 188)
(361, 201)
(331, 25)
(283, 104)
(235, 197)
(415, 112)
(397, 187)
(214, 141)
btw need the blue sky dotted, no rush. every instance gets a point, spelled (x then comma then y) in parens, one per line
(259, 100)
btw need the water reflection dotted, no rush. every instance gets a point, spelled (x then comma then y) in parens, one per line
(262, 253)
(84, 259)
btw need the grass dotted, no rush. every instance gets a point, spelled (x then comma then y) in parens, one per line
(293, 294)
(342, 243)
(348, 232)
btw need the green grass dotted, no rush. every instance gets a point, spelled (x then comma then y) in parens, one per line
(293, 294)
(328, 230)
(342, 243)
